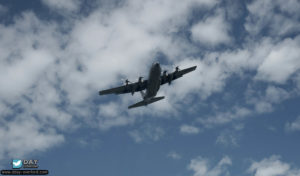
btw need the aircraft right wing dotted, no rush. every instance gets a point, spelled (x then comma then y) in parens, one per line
(168, 78)
(128, 88)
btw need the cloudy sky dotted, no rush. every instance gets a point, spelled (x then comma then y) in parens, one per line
(237, 114)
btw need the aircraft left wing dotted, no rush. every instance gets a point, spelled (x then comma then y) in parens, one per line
(128, 88)
(168, 78)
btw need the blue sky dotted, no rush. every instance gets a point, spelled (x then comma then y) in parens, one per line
(237, 114)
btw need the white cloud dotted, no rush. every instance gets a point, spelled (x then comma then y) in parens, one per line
(136, 136)
(3, 9)
(208, 78)
(66, 5)
(147, 133)
(113, 114)
(293, 126)
(278, 18)
(276, 94)
(105, 122)
(174, 155)
(263, 106)
(216, 67)
(264, 102)
(88, 142)
(296, 80)
(28, 97)
(189, 129)
(212, 31)
(109, 109)
(25, 61)
(275, 61)
(23, 74)
(228, 138)
(234, 9)
(237, 60)
(170, 13)
(45, 99)
(25, 135)
(220, 118)
(202, 167)
(272, 166)
(281, 62)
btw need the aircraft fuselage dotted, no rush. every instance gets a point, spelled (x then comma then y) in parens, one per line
(153, 81)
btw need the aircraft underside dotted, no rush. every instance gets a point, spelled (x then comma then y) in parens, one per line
(151, 86)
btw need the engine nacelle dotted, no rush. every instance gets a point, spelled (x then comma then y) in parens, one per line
(164, 76)
(170, 78)
(126, 82)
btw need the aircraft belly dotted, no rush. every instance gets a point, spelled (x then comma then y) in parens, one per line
(152, 90)
(154, 83)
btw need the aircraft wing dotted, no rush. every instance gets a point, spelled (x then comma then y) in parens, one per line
(129, 88)
(175, 75)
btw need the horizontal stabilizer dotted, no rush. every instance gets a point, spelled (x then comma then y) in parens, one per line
(146, 102)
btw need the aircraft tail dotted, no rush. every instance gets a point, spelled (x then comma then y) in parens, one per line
(146, 102)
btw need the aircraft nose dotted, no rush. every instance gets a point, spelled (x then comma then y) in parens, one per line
(156, 64)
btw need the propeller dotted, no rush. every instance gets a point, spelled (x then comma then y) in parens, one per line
(140, 79)
(165, 72)
(170, 76)
(125, 81)
(134, 87)
(164, 76)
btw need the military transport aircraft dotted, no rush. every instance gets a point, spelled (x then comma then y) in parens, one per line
(151, 85)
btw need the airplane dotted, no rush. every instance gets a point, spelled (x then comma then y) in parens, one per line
(152, 85)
